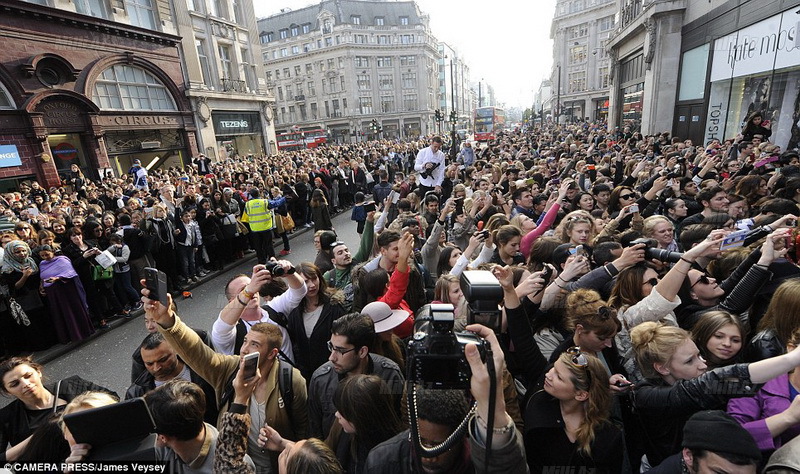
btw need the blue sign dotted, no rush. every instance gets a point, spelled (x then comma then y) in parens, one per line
(9, 156)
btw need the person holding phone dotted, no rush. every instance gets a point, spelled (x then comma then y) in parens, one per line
(756, 125)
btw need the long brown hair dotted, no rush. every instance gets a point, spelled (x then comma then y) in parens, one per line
(708, 324)
(783, 312)
(627, 290)
(366, 402)
(593, 379)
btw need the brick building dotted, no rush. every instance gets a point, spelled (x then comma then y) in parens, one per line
(78, 89)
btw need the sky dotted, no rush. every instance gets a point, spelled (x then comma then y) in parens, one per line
(506, 43)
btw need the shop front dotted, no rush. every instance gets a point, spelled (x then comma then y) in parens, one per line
(757, 69)
(238, 133)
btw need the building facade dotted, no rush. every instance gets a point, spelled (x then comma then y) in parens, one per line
(454, 87)
(94, 83)
(341, 64)
(581, 61)
(226, 79)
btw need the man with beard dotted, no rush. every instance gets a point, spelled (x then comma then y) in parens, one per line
(352, 336)
(343, 262)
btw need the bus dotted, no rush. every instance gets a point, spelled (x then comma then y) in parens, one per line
(301, 139)
(488, 121)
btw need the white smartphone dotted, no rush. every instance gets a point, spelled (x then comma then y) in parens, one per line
(250, 365)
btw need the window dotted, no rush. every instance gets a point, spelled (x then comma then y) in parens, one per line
(286, 74)
(124, 87)
(218, 8)
(406, 39)
(196, 5)
(342, 83)
(379, 21)
(384, 61)
(303, 115)
(311, 91)
(336, 111)
(284, 34)
(284, 52)
(324, 86)
(579, 31)
(387, 104)
(205, 68)
(94, 8)
(306, 28)
(328, 41)
(607, 23)
(292, 116)
(632, 69)
(295, 49)
(283, 114)
(280, 93)
(362, 61)
(355, 19)
(295, 30)
(266, 37)
(577, 54)
(141, 13)
(409, 80)
(314, 112)
(602, 73)
(331, 84)
(410, 101)
(404, 20)
(249, 71)
(360, 39)
(331, 64)
(289, 94)
(309, 68)
(327, 27)
(408, 60)
(338, 39)
(269, 76)
(365, 105)
(364, 82)
(226, 61)
(386, 82)
(576, 6)
(277, 74)
(384, 39)
(238, 14)
(693, 73)
(5, 99)
(297, 70)
(340, 60)
(577, 81)
(306, 47)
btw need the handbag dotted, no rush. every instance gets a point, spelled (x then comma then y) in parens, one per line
(241, 228)
(288, 223)
(99, 273)
(18, 313)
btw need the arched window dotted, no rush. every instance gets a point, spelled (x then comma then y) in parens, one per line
(5, 99)
(125, 87)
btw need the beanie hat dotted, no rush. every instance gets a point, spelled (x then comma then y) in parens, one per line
(716, 431)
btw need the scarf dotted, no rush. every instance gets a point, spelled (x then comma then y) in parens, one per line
(59, 266)
(10, 261)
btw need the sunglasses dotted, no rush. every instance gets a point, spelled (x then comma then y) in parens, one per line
(627, 196)
(579, 358)
(336, 244)
(652, 281)
(703, 279)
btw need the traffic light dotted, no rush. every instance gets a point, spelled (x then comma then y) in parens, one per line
(438, 115)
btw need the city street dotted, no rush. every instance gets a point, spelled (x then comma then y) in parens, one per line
(106, 360)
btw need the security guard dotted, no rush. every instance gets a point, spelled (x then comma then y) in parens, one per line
(258, 213)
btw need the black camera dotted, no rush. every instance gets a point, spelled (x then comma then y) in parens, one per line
(276, 269)
(369, 207)
(436, 353)
(651, 251)
(483, 293)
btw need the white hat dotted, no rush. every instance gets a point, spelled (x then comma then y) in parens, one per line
(384, 317)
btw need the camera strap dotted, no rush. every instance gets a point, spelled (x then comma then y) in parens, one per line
(492, 402)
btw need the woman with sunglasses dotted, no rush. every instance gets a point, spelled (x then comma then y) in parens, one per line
(26, 233)
(678, 384)
(567, 417)
(639, 295)
(700, 293)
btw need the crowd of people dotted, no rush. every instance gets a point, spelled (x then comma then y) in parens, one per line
(648, 293)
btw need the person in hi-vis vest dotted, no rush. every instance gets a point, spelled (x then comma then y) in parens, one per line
(259, 215)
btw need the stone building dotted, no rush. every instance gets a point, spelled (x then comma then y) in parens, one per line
(96, 91)
(340, 64)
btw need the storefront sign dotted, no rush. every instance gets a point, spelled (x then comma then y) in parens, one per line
(60, 115)
(236, 123)
(65, 151)
(9, 156)
(141, 120)
(770, 44)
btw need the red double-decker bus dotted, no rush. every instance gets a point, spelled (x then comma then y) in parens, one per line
(488, 121)
(300, 140)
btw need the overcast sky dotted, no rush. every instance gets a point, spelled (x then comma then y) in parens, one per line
(505, 42)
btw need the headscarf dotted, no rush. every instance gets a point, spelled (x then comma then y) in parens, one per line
(10, 261)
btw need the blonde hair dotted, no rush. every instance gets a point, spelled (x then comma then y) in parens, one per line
(591, 378)
(655, 343)
(650, 223)
(585, 307)
(571, 219)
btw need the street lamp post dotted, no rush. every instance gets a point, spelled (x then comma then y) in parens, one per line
(558, 96)
(453, 113)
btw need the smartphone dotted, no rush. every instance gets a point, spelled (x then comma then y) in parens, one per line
(250, 365)
(620, 383)
(484, 233)
(634, 208)
(791, 223)
(395, 198)
(369, 207)
(547, 273)
(480, 225)
(156, 281)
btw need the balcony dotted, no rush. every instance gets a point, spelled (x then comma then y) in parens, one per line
(234, 85)
(630, 10)
(300, 98)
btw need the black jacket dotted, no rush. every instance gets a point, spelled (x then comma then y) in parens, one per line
(146, 383)
(663, 409)
(310, 353)
(765, 344)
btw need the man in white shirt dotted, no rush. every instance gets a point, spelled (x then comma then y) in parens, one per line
(243, 309)
(430, 164)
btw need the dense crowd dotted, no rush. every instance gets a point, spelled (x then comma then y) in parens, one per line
(647, 286)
